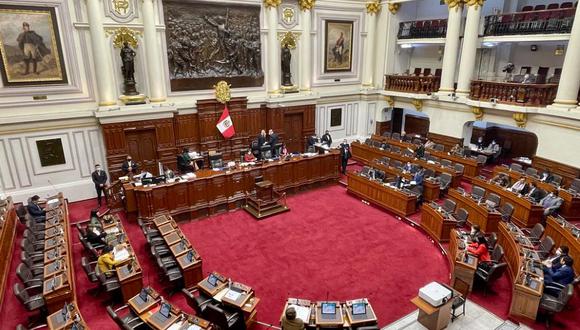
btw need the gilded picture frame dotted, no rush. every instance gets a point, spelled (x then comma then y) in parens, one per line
(338, 43)
(30, 46)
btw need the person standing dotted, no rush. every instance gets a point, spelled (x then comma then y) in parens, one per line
(129, 166)
(261, 138)
(344, 155)
(99, 177)
(32, 47)
(273, 141)
(327, 139)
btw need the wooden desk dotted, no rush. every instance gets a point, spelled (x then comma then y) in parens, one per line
(525, 297)
(369, 318)
(310, 322)
(479, 214)
(191, 270)
(219, 191)
(394, 200)
(463, 264)
(393, 142)
(7, 243)
(433, 318)
(367, 154)
(470, 166)
(329, 321)
(57, 321)
(436, 224)
(431, 189)
(526, 212)
(563, 234)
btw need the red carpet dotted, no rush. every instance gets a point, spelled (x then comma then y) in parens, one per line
(329, 244)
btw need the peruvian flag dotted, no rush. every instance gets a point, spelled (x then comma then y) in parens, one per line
(225, 124)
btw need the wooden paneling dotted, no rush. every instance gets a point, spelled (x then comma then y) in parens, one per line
(436, 224)
(394, 200)
(568, 173)
(416, 125)
(447, 141)
(563, 236)
(7, 243)
(382, 127)
(514, 143)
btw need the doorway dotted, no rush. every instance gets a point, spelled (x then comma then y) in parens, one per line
(293, 129)
(397, 120)
(142, 146)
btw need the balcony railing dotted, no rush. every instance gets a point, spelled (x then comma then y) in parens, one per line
(412, 84)
(530, 22)
(539, 95)
(435, 28)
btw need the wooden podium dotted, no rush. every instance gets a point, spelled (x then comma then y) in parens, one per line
(265, 201)
(433, 318)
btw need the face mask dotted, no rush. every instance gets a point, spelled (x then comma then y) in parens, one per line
(558, 252)
(98, 168)
(473, 231)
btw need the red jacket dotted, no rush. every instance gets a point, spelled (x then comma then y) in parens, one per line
(480, 250)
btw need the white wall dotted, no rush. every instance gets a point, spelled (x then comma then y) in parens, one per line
(426, 56)
(21, 174)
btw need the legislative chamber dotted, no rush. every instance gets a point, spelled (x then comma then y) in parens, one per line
(289, 164)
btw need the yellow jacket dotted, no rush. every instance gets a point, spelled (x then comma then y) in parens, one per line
(106, 262)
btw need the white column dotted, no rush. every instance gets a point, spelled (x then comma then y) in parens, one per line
(570, 79)
(273, 53)
(381, 47)
(369, 60)
(306, 51)
(101, 54)
(451, 48)
(469, 50)
(152, 47)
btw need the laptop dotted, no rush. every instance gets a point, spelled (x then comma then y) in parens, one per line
(359, 308)
(328, 310)
(212, 280)
(143, 296)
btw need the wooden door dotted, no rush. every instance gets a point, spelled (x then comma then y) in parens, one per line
(397, 120)
(142, 146)
(293, 129)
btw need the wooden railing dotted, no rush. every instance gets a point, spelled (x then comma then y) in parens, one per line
(530, 22)
(412, 84)
(435, 28)
(539, 95)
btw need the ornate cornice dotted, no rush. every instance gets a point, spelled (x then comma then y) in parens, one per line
(122, 35)
(476, 3)
(373, 7)
(454, 4)
(306, 4)
(520, 118)
(272, 3)
(390, 101)
(394, 7)
(418, 104)
(478, 112)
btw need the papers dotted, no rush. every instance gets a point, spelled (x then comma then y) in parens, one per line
(220, 295)
(124, 178)
(302, 312)
(121, 255)
(112, 230)
(194, 327)
(175, 326)
(233, 295)
(138, 184)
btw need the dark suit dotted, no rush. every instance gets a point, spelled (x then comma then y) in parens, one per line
(326, 139)
(184, 163)
(418, 178)
(546, 177)
(125, 167)
(536, 195)
(273, 141)
(563, 275)
(261, 140)
(99, 178)
(344, 156)
(37, 212)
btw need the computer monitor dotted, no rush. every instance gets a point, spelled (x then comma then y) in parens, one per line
(359, 308)
(65, 311)
(328, 308)
(165, 310)
(190, 256)
(212, 280)
(144, 295)
(371, 173)
(159, 179)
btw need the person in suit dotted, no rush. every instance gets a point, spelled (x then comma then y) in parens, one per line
(479, 143)
(408, 167)
(555, 261)
(144, 174)
(273, 140)
(520, 186)
(420, 151)
(344, 155)
(534, 192)
(95, 232)
(184, 162)
(326, 139)
(562, 275)
(99, 177)
(419, 176)
(546, 176)
(551, 203)
(290, 322)
(262, 138)
(129, 166)
(35, 210)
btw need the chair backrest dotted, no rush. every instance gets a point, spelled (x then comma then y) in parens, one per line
(88, 270)
(462, 215)
(191, 301)
(566, 294)
(429, 173)
(497, 253)
(492, 240)
(557, 180)
(496, 272)
(417, 71)
(459, 167)
(481, 159)
(461, 286)
(445, 178)
(537, 231)
(385, 161)
(553, 6)
(438, 72)
(21, 213)
(531, 171)
(494, 198)
(426, 72)
(449, 206)
(115, 317)
(396, 163)
(21, 293)
(547, 244)
(566, 5)
(446, 162)
(575, 185)
(368, 141)
(217, 316)
(540, 7)
(516, 167)
(23, 272)
(396, 149)
(397, 136)
(439, 147)
(528, 8)
(507, 209)
(387, 134)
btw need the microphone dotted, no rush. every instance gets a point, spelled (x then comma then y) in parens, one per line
(53, 188)
(327, 295)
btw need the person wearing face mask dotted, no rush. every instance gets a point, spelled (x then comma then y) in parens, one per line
(100, 180)
(554, 261)
(129, 166)
(551, 203)
(35, 210)
(562, 275)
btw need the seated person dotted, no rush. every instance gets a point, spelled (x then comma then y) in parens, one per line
(479, 249)
(546, 176)
(95, 232)
(494, 148)
(106, 261)
(562, 275)
(312, 140)
(475, 233)
(169, 174)
(420, 151)
(408, 167)
(129, 166)
(144, 174)
(520, 187)
(555, 261)
(456, 150)
(551, 203)
(283, 151)
(326, 139)
(249, 157)
(185, 163)
(290, 322)
(35, 210)
(479, 143)
(534, 193)
(501, 179)
(429, 144)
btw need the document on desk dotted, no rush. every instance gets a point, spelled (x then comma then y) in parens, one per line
(302, 312)
(233, 295)
(221, 294)
(175, 326)
(121, 255)
(112, 230)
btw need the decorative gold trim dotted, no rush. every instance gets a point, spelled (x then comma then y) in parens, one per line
(373, 7)
(306, 4)
(478, 112)
(272, 3)
(390, 101)
(552, 123)
(122, 35)
(158, 100)
(566, 102)
(288, 38)
(394, 7)
(454, 4)
(446, 90)
(475, 3)
(274, 92)
(132, 98)
(418, 104)
(466, 91)
(222, 91)
(521, 118)
(107, 103)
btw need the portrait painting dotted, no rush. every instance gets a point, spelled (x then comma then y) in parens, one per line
(206, 44)
(338, 46)
(30, 46)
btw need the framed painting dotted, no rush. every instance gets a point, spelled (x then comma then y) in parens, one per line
(338, 46)
(50, 152)
(30, 46)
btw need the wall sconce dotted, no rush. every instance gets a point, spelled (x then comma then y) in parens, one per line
(559, 50)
